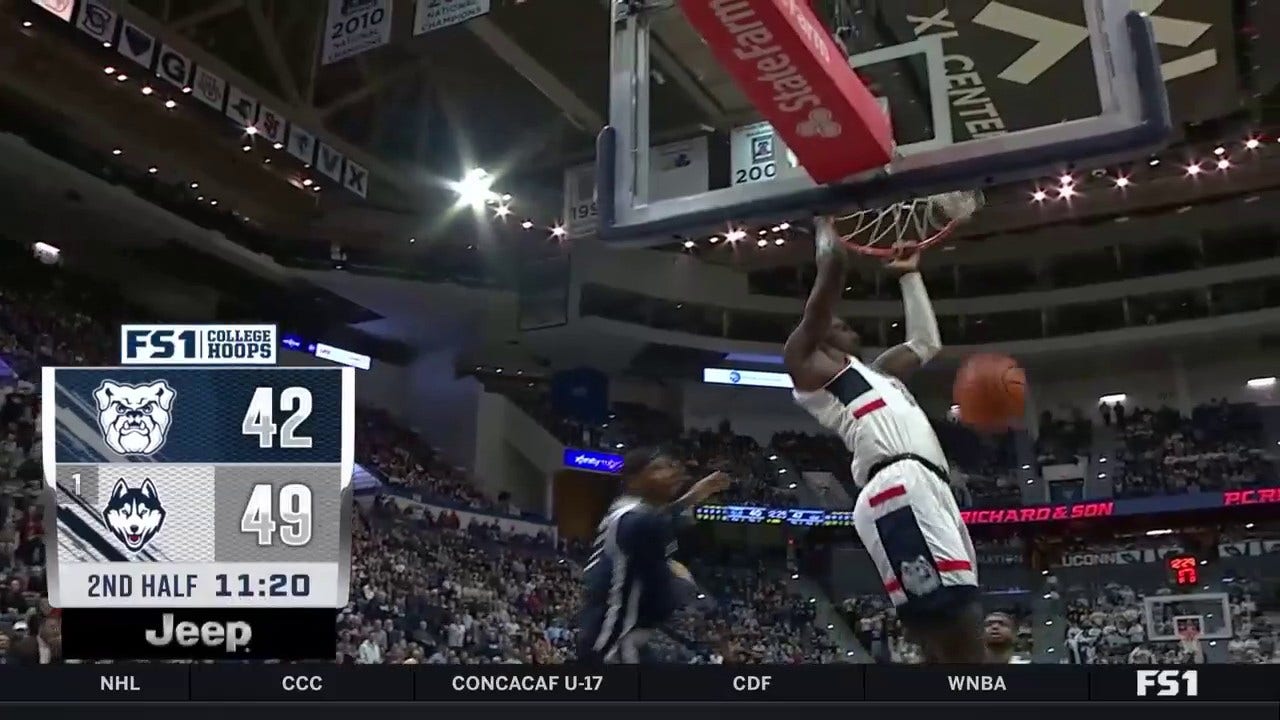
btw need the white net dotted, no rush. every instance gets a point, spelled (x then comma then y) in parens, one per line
(921, 222)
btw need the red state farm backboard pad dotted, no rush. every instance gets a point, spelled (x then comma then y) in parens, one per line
(787, 63)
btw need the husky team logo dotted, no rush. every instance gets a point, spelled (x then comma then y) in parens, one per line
(134, 419)
(134, 514)
(918, 576)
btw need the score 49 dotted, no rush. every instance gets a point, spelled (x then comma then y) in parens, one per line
(294, 500)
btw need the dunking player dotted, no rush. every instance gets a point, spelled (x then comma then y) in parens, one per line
(999, 634)
(905, 513)
(632, 584)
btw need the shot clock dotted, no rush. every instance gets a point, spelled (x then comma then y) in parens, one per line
(1183, 570)
(202, 498)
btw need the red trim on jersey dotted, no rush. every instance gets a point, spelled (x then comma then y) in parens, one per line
(869, 408)
(944, 566)
(887, 494)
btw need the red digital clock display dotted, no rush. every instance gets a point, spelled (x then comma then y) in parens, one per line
(1184, 570)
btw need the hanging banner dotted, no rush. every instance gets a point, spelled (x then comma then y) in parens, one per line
(62, 9)
(173, 66)
(97, 21)
(677, 169)
(330, 162)
(241, 107)
(356, 178)
(271, 124)
(757, 154)
(354, 27)
(302, 144)
(209, 89)
(431, 15)
(137, 44)
(581, 217)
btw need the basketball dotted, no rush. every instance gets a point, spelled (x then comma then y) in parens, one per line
(989, 392)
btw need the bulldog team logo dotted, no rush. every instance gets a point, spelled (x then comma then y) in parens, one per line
(134, 419)
(134, 514)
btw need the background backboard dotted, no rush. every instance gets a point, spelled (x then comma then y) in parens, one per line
(977, 92)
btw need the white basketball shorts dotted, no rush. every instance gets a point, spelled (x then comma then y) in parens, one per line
(910, 524)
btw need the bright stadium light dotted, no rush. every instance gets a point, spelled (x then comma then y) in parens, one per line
(475, 188)
(1261, 382)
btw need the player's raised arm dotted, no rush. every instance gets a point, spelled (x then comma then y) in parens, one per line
(819, 310)
(701, 491)
(923, 339)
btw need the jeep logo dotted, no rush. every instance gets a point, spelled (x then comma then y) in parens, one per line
(232, 636)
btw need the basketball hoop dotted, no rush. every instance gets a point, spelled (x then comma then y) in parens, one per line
(920, 222)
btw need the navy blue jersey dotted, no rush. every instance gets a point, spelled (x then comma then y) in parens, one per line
(629, 585)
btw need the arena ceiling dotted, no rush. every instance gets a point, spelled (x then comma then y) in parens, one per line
(521, 90)
(499, 91)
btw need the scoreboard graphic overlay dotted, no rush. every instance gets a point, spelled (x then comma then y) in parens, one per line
(198, 511)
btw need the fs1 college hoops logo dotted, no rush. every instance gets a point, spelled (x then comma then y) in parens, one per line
(134, 419)
(134, 515)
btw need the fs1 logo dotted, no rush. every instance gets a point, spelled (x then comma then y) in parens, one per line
(1168, 683)
(198, 344)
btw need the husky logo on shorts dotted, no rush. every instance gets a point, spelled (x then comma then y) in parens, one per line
(918, 576)
(134, 419)
(134, 514)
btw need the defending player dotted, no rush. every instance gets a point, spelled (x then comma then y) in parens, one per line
(632, 584)
(905, 513)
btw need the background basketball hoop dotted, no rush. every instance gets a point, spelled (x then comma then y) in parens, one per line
(922, 222)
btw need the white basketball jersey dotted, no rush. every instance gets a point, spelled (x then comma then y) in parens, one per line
(875, 415)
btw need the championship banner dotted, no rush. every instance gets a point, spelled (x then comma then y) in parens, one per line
(757, 154)
(786, 62)
(354, 27)
(677, 169)
(429, 15)
(179, 494)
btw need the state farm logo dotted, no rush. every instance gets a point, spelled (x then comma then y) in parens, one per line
(820, 123)
(766, 62)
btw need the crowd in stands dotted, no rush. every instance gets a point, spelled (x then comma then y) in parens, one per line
(1218, 447)
(1106, 625)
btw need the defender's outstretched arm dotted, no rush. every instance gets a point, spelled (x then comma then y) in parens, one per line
(923, 338)
(820, 308)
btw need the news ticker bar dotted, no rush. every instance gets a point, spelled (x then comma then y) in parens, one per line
(254, 682)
